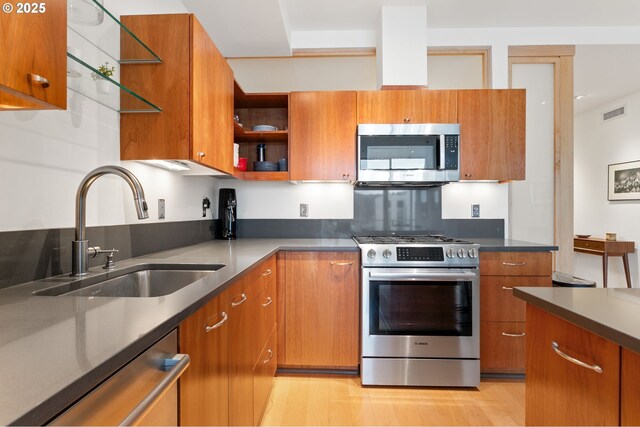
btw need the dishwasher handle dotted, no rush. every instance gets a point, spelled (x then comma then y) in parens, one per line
(175, 367)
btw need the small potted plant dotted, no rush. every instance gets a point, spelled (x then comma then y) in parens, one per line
(104, 70)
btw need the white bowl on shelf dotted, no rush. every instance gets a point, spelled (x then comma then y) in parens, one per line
(264, 128)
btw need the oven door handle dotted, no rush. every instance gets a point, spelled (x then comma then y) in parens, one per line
(432, 276)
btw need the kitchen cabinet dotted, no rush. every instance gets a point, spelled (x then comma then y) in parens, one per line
(322, 310)
(492, 134)
(560, 392)
(194, 86)
(407, 106)
(204, 387)
(630, 388)
(263, 373)
(502, 327)
(322, 145)
(33, 75)
(271, 109)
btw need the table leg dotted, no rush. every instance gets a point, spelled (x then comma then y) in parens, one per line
(625, 262)
(605, 265)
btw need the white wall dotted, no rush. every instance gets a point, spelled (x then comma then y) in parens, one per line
(45, 154)
(598, 144)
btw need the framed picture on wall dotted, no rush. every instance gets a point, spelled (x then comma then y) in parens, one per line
(624, 181)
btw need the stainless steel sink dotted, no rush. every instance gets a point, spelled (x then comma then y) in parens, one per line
(140, 281)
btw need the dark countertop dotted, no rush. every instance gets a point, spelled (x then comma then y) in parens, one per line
(55, 349)
(612, 313)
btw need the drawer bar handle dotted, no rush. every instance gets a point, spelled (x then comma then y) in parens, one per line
(341, 263)
(268, 359)
(507, 334)
(267, 272)
(555, 347)
(217, 325)
(506, 288)
(514, 264)
(244, 298)
(38, 80)
(269, 301)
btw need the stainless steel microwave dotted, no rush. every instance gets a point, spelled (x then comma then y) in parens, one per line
(408, 154)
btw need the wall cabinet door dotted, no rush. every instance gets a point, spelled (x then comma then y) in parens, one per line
(492, 134)
(194, 88)
(204, 387)
(559, 392)
(33, 75)
(407, 106)
(321, 309)
(322, 141)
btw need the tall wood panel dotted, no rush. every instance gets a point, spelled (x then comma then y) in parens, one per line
(630, 389)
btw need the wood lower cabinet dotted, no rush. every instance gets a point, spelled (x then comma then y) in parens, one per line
(263, 373)
(492, 134)
(502, 316)
(407, 106)
(204, 387)
(322, 136)
(33, 75)
(630, 389)
(559, 392)
(322, 309)
(194, 87)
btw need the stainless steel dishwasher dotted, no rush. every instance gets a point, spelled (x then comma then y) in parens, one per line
(143, 392)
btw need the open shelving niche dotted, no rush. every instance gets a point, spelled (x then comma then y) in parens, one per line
(261, 109)
(96, 37)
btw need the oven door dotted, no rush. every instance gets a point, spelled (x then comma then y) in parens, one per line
(420, 313)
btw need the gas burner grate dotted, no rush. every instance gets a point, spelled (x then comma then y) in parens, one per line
(425, 239)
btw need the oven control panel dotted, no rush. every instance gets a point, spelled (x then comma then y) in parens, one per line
(420, 253)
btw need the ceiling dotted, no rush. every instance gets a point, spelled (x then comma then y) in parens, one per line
(260, 28)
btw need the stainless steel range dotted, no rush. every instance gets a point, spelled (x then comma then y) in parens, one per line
(420, 311)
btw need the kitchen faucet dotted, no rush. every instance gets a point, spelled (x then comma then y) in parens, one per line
(80, 246)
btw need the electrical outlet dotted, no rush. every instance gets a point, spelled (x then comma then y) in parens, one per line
(161, 208)
(304, 210)
(475, 211)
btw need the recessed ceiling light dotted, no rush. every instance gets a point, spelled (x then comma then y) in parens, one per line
(578, 97)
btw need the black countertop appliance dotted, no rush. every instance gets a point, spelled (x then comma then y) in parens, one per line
(227, 214)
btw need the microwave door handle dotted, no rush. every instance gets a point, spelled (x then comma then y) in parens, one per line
(441, 152)
(423, 276)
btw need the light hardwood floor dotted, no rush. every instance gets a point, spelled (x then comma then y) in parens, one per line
(312, 401)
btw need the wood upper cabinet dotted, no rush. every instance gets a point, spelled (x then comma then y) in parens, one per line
(322, 135)
(204, 387)
(194, 88)
(321, 309)
(33, 75)
(559, 392)
(407, 106)
(492, 134)
(630, 389)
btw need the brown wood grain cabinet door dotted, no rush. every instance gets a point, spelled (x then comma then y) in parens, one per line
(630, 390)
(515, 263)
(211, 103)
(322, 135)
(32, 45)
(407, 106)
(559, 392)
(492, 134)
(321, 309)
(497, 303)
(263, 374)
(204, 387)
(502, 347)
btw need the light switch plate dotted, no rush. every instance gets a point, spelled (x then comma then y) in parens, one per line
(475, 211)
(161, 208)
(304, 210)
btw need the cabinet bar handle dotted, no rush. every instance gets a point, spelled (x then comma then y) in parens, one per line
(514, 264)
(38, 80)
(268, 359)
(269, 301)
(217, 325)
(555, 347)
(506, 288)
(507, 334)
(341, 263)
(244, 298)
(267, 272)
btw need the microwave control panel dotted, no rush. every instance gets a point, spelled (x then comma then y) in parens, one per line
(451, 152)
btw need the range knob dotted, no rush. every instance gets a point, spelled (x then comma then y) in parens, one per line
(473, 253)
(371, 253)
(461, 253)
(387, 253)
(449, 253)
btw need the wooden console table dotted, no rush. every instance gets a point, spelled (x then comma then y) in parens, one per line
(605, 249)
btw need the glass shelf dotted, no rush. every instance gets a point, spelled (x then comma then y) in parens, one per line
(96, 37)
